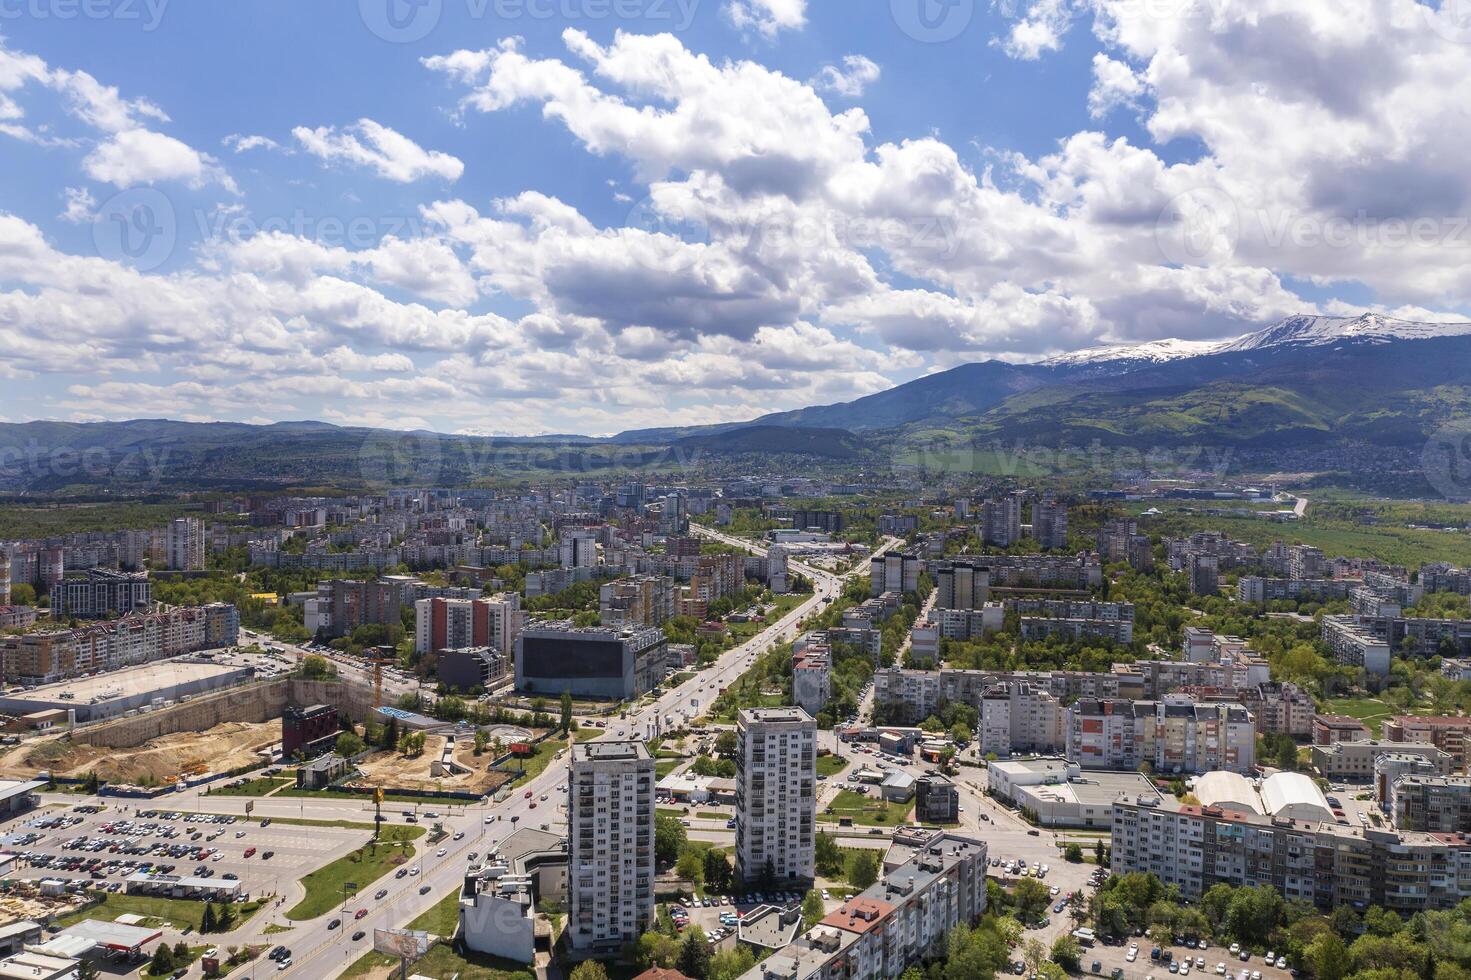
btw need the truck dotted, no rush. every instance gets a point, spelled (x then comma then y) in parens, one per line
(1084, 936)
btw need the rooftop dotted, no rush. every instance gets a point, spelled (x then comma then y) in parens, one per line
(113, 935)
(609, 751)
(128, 682)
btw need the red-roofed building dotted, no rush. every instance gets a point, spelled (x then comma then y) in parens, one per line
(1332, 729)
(1449, 733)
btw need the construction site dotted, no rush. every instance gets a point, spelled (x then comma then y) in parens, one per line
(445, 764)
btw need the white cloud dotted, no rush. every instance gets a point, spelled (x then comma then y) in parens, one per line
(243, 144)
(80, 208)
(141, 156)
(387, 153)
(767, 17)
(849, 81)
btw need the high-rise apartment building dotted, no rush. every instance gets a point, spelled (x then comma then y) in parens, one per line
(776, 798)
(610, 831)
(185, 544)
(98, 593)
(1001, 521)
(1049, 523)
(454, 624)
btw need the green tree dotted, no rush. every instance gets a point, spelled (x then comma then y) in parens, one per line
(731, 963)
(207, 919)
(1034, 954)
(1073, 853)
(162, 963)
(1066, 952)
(655, 948)
(482, 739)
(1327, 957)
(670, 839)
(589, 970)
(691, 867)
(694, 956)
(829, 856)
(566, 712)
(863, 869)
(717, 871)
(181, 954)
(812, 909)
(348, 745)
(1030, 897)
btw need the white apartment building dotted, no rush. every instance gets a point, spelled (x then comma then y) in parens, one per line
(776, 799)
(610, 823)
(184, 545)
(1019, 717)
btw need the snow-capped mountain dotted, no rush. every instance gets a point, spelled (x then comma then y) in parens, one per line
(1295, 330)
(1316, 331)
(1153, 352)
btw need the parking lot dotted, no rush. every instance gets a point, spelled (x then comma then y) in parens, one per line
(718, 916)
(100, 846)
(1135, 959)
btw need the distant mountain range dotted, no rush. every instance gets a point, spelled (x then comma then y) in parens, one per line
(1308, 380)
(1304, 383)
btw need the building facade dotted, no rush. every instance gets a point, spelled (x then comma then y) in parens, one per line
(776, 802)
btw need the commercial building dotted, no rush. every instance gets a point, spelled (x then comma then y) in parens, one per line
(470, 667)
(610, 828)
(1175, 735)
(98, 593)
(500, 895)
(454, 624)
(1355, 760)
(591, 662)
(1058, 793)
(776, 776)
(307, 729)
(901, 919)
(936, 800)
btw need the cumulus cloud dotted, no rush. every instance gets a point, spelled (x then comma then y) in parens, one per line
(141, 156)
(767, 17)
(849, 81)
(388, 153)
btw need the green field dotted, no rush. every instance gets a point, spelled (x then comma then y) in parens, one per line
(259, 786)
(324, 887)
(869, 812)
(664, 767)
(831, 765)
(1371, 711)
(442, 961)
(179, 913)
(334, 794)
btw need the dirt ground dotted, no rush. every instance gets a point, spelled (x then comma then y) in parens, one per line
(389, 769)
(160, 760)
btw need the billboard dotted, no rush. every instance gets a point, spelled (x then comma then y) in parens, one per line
(403, 943)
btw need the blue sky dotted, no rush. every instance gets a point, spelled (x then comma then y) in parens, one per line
(588, 215)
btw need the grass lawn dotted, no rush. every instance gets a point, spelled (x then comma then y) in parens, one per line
(831, 765)
(713, 815)
(542, 756)
(334, 794)
(274, 928)
(442, 961)
(259, 786)
(665, 767)
(176, 912)
(869, 812)
(442, 918)
(1371, 711)
(324, 886)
